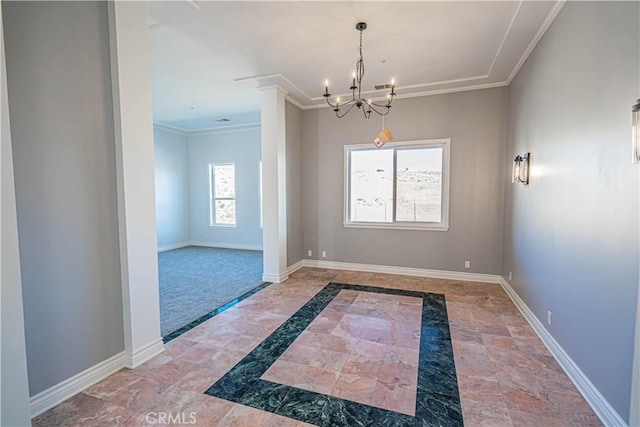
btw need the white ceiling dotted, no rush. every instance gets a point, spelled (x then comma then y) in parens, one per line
(208, 59)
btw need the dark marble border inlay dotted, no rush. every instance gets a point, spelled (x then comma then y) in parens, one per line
(175, 334)
(437, 400)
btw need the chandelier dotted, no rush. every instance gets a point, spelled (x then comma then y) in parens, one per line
(367, 105)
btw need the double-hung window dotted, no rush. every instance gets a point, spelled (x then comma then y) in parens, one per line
(222, 194)
(403, 185)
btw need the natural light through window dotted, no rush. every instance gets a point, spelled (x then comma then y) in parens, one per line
(222, 194)
(403, 185)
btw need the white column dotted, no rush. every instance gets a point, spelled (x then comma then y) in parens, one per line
(133, 119)
(274, 184)
(14, 386)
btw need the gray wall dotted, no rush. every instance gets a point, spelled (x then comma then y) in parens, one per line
(293, 117)
(59, 88)
(14, 385)
(172, 187)
(476, 123)
(571, 236)
(243, 148)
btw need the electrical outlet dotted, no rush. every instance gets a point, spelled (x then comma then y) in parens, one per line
(510, 276)
(549, 317)
(467, 264)
(309, 252)
(324, 254)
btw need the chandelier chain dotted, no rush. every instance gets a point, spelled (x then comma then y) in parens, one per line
(360, 68)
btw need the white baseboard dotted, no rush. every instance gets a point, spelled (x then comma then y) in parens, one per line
(53, 396)
(246, 247)
(275, 278)
(603, 409)
(295, 267)
(407, 271)
(592, 395)
(138, 357)
(60, 392)
(172, 246)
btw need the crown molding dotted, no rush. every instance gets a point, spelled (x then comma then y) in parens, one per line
(304, 101)
(170, 128)
(204, 131)
(269, 80)
(221, 129)
(557, 7)
(294, 102)
(504, 39)
(426, 93)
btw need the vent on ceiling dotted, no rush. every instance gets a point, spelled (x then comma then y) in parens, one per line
(223, 120)
(383, 86)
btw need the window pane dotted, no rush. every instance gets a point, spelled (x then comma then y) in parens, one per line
(226, 212)
(225, 181)
(419, 185)
(371, 186)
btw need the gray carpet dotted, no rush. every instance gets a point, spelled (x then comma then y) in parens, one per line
(196, 280)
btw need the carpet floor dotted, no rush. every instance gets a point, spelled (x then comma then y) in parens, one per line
(196, 280)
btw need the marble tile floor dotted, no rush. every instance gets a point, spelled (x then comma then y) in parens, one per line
(505, 375)
(352, 344)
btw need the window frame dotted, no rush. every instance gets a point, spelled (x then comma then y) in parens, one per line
(443, 225)
(213, 198)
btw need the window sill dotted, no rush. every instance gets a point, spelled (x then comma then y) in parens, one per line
(224, 225)
(386, 226)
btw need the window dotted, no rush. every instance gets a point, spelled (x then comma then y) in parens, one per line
(403, 185)
(222, 194)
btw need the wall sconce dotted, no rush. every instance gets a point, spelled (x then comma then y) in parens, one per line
(521, 169)
(635, 133)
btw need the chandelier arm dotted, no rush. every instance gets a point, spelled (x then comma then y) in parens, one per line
(352, 101)
(336, 105)
(372, 107)
(346, 112)
(329, 102)
(378, 105)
